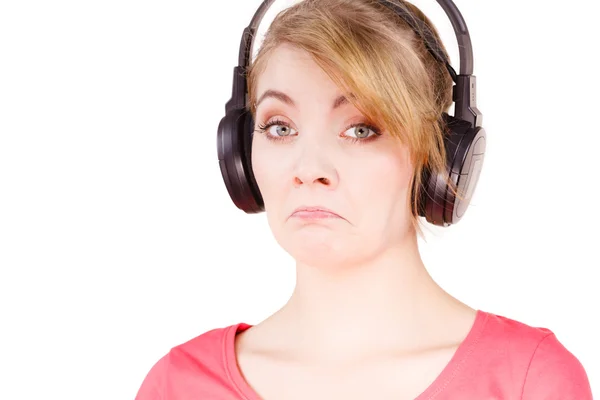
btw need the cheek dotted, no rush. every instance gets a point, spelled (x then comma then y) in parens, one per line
(267, 166)
(382, 195)
(381, 177)
(258, 166)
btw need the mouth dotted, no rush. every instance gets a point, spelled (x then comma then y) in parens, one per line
(315, 213)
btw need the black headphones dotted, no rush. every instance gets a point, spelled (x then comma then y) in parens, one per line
(464, 143)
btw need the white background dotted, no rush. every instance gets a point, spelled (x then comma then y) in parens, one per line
(118, 239)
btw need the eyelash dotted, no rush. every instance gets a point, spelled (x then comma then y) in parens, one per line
(263, 129)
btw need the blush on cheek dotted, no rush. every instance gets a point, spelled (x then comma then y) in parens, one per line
(272, 174)
(388, 178)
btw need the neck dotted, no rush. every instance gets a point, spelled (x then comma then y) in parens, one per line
(390, 302)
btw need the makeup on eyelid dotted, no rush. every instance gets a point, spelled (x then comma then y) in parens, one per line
(263, 128)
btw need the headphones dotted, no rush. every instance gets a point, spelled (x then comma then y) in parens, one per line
(464, 142)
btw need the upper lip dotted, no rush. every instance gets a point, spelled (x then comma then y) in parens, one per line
(315, 208)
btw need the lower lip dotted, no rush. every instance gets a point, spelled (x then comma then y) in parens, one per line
(314, 215)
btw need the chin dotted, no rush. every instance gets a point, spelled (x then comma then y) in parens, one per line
(322, 252)
(323, 261)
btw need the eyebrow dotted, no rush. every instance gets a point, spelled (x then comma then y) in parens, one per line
(339, 101)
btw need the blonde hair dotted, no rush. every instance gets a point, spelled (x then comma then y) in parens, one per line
(372, 53)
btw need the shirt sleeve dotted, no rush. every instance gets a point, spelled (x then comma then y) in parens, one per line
(555, 374)
(153, 384)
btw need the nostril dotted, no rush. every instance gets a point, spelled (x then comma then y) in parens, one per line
(322, 180)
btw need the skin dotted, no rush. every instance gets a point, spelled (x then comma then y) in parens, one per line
(364, 302)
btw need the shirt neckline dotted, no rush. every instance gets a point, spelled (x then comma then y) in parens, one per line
(453, 368)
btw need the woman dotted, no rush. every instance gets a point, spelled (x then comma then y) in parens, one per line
(347, 101)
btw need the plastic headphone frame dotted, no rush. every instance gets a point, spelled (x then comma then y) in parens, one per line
(465, 143)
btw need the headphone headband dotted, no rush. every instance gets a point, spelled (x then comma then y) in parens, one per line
(466, 85)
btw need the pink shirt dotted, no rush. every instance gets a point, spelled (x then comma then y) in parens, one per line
(499, 359)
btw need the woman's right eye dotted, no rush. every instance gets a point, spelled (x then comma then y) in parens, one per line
(281, 131)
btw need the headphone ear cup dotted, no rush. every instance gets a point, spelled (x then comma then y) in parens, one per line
(234, 147)
(465, 148)
(466, 171)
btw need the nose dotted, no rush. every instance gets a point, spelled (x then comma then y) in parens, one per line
(299, 181)
(314, 167)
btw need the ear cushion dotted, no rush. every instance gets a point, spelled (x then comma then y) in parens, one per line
(234, 145)
(465, 148)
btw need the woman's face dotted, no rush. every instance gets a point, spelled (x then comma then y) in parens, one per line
(312, 157)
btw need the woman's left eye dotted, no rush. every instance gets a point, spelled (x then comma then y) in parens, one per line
(361, 131)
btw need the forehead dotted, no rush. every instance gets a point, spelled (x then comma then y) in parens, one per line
(291, 69)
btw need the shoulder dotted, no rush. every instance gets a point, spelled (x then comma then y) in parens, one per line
(197, 362)
(555, 373)
(548, 370)
(510, 339)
